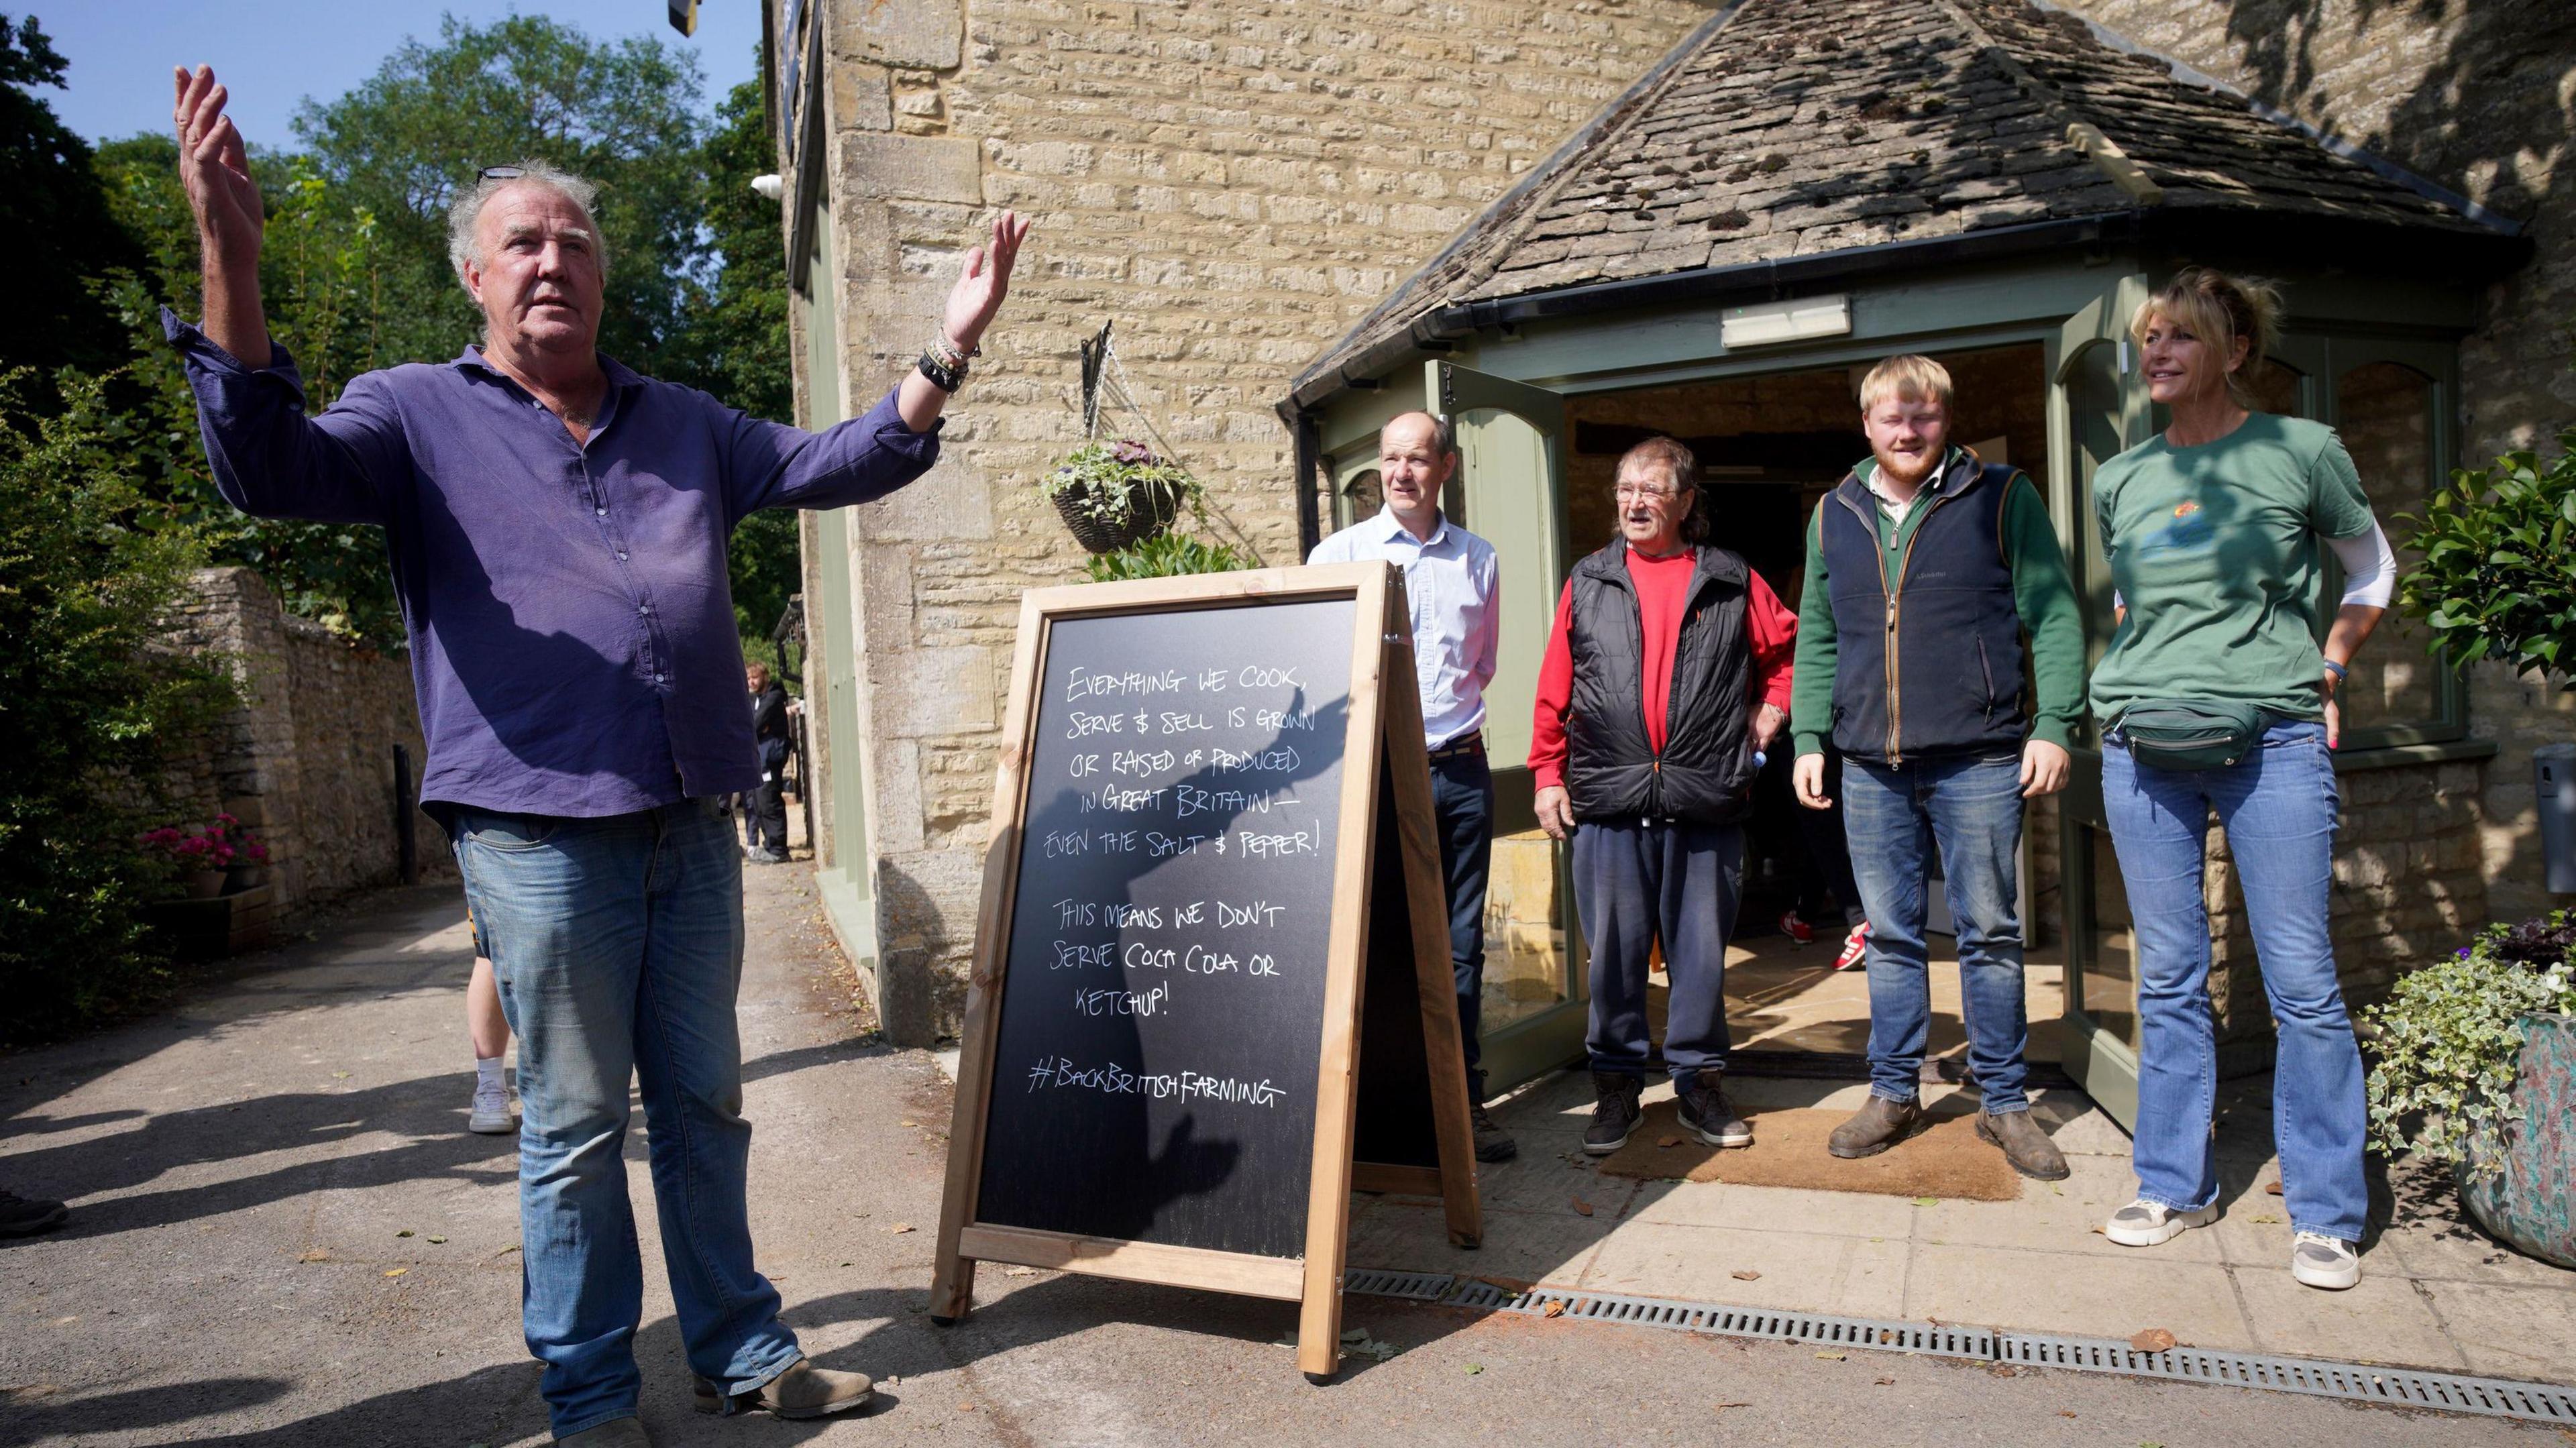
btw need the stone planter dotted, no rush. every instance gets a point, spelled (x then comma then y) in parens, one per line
(2530, 1201)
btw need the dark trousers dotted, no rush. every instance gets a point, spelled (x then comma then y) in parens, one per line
(764, 814)
(1462, 804)
(1637, 882)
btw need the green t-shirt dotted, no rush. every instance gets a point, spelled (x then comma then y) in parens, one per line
(2215, 551)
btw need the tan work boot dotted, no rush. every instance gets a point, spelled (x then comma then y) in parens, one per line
(803, 1391)
(615, 1433)
(2025, 1145)
(1878, 1125)
(1492, 1142)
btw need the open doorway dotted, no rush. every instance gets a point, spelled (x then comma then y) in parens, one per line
(1770, 449)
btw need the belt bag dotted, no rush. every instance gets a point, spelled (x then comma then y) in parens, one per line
(2191, 733)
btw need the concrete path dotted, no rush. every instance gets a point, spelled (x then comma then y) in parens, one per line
(245, 1168)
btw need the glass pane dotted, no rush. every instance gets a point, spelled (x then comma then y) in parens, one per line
(2385, 414)
(2110, 983)
(2276, 388)
(1361, 497)
(1525, 949)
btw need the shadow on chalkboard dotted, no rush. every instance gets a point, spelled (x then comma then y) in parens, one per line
(1129, 1168)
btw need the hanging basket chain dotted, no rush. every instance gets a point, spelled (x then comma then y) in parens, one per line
(1104, 376)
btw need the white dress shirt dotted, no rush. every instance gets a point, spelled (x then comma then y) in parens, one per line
(1449, 583)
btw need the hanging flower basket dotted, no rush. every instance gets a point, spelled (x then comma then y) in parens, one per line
(1117, 495)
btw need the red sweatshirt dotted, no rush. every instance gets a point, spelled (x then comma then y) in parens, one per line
(1663, 590)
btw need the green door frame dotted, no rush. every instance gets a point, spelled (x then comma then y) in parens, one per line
(2091, 417)
(1512, 495)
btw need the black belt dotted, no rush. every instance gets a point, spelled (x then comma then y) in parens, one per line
(1471, 742)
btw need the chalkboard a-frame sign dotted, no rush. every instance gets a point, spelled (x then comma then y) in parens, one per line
(1211, 993)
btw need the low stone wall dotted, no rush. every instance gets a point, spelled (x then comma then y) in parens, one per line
(307, 760)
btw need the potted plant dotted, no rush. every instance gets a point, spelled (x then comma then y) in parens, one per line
(247, 867)
(1115, 495)
(2476, 1069)
(198, 857)
(2498, 576)
(1165, 555)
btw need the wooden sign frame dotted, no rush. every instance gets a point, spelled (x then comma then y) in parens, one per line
(1382, 750)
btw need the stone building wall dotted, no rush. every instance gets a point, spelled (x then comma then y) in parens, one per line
(307, 760)
(2480, 97)
(1234, 184)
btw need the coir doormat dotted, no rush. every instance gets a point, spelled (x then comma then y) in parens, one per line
(1941, 1159)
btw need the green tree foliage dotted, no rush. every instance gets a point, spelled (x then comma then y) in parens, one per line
(733, 344)
(61, 236)
(622, 113)
(88, 707)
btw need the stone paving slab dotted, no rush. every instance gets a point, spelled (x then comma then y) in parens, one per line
(2437, 1293)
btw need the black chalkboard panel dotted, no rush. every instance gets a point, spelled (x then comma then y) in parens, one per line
(1154, 1067)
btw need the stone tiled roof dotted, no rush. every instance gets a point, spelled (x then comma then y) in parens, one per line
(1795, 127)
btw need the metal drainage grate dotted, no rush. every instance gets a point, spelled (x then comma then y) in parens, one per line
(2401, 1386)
(2449, 1392)
(1412, 1286)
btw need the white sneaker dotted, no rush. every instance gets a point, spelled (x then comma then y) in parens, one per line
(2322, 1261)
(492, 1115)
(2152, 1224)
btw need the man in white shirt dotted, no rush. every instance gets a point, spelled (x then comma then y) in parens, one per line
(1449, 583)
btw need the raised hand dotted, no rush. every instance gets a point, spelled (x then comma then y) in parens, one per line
(216, 171)
(985, 281)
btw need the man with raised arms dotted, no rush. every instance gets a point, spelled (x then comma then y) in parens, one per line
(558, 528)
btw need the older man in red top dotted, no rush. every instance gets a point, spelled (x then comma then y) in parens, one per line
(1666, 675)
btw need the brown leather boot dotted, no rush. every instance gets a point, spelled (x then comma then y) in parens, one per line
(1492, 1142)
(1878, 1125)
(2025, 1145)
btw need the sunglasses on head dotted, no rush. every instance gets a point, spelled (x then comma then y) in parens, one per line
(500, 173)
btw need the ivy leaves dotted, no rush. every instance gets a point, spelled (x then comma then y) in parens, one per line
(2449, 1042)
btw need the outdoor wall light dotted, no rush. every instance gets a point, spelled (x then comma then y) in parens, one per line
(1790, 321)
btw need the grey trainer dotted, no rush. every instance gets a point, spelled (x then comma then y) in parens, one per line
(2322, 1261)
(615, 1433)
(2024, 1144)
(1878, 1125)
(803, 1391)
(2150, 1224)
(1703, 1112)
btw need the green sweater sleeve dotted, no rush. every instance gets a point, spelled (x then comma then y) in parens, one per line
(1811, 687)
(2044, 596)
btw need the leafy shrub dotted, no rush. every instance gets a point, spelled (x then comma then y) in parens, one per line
(2498, 580)
(88, 704)
(2449, 1040)
(1165, 555)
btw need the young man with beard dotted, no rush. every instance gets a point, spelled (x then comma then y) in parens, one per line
(1925, 567)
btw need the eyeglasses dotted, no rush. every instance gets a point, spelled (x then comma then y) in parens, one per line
(1631, 492)
(500, 173)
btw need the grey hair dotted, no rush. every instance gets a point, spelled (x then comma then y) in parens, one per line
(465, 214)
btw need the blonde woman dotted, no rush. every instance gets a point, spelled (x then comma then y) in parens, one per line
(2216, 698)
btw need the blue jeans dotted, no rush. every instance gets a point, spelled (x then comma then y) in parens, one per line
(2278, 807)
(1462, 804)
(617, 943)
(1637, 882)
(1968, 809)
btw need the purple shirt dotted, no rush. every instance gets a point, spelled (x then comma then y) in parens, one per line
(571, 620)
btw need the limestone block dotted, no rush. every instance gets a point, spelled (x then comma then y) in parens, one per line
(917, 168)
(915, 34)
(921, 692)
(861, 99)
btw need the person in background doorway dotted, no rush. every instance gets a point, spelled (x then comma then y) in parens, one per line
(1925, 568)
(1824, 874)
(1667, 671)
(2216, 532)
(557, 526)
(487, 1029)
(1450, 580)
(764, 814)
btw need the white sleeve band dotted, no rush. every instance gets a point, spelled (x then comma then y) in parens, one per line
(2369, 567)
